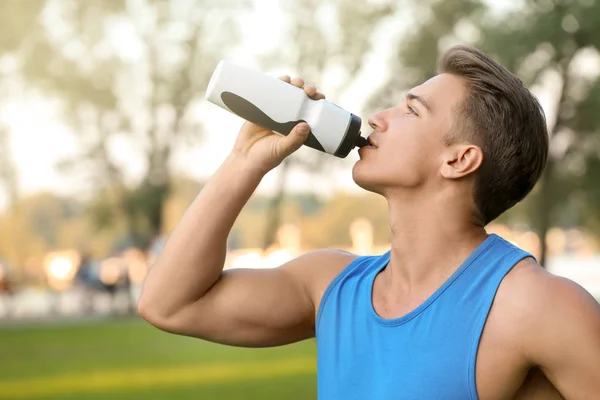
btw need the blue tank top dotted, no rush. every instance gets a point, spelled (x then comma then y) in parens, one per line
(427, 354)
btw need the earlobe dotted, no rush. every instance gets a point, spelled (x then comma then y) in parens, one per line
(461, 161)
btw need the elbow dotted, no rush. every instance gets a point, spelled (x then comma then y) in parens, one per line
(146, 310)
(152, 313)
(172, 320)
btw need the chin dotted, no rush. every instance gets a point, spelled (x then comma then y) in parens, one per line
(364, 179)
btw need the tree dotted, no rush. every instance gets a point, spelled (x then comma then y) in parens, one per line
(320, 37)
(8, 173)
(560, 35)
(539, 41)
(17, 19)
(330, 226)
(131, 72)
(435, 24)
(38, 224)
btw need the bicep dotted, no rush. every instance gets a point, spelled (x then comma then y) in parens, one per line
(566, 343)
(253, 307)
(261, 307)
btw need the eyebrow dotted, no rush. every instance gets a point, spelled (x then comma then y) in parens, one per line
(420, 99)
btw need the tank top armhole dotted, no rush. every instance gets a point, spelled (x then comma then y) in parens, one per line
(480, 324)
(351, 265)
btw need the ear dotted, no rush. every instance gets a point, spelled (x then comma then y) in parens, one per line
(461, 160)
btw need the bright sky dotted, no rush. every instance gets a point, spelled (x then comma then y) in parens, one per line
(39, 141)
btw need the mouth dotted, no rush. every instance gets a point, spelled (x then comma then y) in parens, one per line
(371, 143)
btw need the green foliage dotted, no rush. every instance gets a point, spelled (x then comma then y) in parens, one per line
(36, 225)
(415, 58)
(323, 36)
(539, 41)
(144, 99)
(559, 37)
(331, 226)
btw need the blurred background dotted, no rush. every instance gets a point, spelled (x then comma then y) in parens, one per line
(105, 139)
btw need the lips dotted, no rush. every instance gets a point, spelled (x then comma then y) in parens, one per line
(371, 142)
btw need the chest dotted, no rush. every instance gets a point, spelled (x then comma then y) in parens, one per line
(424, 358)
(431, 356)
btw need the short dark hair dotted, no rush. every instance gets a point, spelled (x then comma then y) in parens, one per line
(504, 118)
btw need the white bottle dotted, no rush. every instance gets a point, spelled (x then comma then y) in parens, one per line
(279, 106)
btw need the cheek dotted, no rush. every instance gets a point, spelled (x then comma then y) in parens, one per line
(413, 138)
(411, 155)
(403, 146)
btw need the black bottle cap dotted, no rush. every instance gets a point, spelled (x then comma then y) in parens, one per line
(351, 139)
(361, 141)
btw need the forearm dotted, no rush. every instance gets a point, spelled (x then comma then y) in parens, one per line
(194, 256)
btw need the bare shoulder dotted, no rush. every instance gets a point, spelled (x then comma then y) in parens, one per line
(547, 306)
(541, 293)
(532, 291)
(316, 269)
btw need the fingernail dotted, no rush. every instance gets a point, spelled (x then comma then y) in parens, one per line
(303, 128)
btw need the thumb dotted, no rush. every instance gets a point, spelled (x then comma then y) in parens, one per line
(297, 136)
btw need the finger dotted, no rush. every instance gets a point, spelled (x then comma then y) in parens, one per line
(285, 78)
(317, 96)
(293, 140)
(310, 90)
(299, 82)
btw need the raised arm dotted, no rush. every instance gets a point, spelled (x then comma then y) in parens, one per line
(186, 290)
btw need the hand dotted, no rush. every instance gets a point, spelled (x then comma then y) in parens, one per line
(265, 149)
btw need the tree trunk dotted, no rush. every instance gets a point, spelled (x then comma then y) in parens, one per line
(545, 210)
(8, 174)
(156, 210)
(547, 200)
(129, 213)
(275, 208)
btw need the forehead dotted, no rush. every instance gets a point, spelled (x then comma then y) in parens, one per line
(442, 92)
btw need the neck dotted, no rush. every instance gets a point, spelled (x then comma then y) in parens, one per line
(431, 236)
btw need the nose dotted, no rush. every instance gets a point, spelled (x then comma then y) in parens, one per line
(377, 122)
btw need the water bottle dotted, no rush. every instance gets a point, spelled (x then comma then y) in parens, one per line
(279, 106)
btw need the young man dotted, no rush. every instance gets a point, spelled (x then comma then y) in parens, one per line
(449, 312)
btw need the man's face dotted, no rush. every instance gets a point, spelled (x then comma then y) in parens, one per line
(408, 140)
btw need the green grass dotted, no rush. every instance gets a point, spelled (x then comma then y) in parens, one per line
(128, 359)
